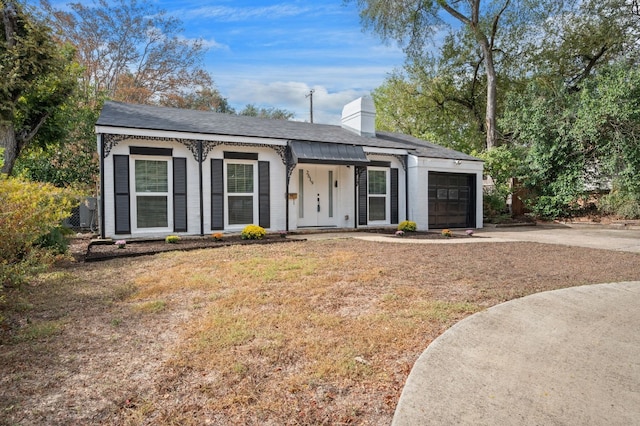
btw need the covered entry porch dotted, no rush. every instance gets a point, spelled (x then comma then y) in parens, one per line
(339, 186)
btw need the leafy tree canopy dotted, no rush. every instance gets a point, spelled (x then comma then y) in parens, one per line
(130, 51)
(38, 75)
(275, 113)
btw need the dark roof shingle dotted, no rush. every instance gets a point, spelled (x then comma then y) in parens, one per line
(118, 114)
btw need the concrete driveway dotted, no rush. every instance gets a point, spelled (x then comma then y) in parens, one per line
(580, 236)
(563, 357)
(591, 236)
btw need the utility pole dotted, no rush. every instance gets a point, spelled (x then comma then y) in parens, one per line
(310, 96)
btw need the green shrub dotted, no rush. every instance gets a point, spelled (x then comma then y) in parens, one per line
(55, 240)
(494, 205)
(407, 226)
(624, 204)
(253, 232)
(172, 239)
(28, 211)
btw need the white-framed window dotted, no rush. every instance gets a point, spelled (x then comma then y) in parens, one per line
(152, 207)
(241, 186)
(378, 194)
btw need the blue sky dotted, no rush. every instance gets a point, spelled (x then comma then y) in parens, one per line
(271, 53)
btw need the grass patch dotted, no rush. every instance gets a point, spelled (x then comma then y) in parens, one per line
(322, 332)
(39, 331)
(124, 291)
(151, 307)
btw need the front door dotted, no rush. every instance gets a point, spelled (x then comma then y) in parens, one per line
(316, 195)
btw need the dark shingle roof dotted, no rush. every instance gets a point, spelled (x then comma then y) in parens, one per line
(117, 114)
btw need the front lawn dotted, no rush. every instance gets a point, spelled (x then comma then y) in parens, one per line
(317, 332)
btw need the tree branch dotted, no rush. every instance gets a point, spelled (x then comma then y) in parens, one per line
(494, 26)
(453, 12)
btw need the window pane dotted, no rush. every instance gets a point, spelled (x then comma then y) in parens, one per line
(152, 212)
(377, 182)
(239, 178)
(240, 210)
(151, 176)
(377, 208)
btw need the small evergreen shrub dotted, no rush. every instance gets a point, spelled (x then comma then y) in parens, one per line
(253, 232)
(172, 239)
(624, 204)
(407, 226)
(494, 204)
(55, 240)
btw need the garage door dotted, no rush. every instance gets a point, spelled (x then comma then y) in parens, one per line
(451, 200)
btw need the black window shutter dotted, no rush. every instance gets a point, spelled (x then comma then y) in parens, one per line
(362, 195)
(180, 195)
(121, 193)
(217, 194)
(264, 203)
(394, 196)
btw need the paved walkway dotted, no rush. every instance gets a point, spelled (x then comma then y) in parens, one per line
(563, 357)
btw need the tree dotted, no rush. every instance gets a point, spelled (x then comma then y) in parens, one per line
(413, 22)
(64, 152)
(131, 51)
(274, 113)
(579, 39)
(438, 96)
(38, 75)
(578, 117)
(204, 99)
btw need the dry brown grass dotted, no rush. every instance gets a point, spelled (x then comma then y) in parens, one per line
(318, 332)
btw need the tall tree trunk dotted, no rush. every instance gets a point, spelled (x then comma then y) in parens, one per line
(490, 117)
(9, 20)
(10, 145)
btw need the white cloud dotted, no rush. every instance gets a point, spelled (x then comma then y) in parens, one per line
(291, 95)
(237, 14)
(209, 44)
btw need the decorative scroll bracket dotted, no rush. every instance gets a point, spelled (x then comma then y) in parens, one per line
(111, 140)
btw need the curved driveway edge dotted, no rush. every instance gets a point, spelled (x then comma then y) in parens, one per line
(562, 357)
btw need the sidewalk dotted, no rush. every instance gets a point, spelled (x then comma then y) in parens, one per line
(564, 357)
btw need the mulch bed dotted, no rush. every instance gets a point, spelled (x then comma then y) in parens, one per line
(107, 249)
(420, 235)
(98, 250)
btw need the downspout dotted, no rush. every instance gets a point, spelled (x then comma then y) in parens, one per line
(355, 197)
(287, 179)
(102, 232)
(286, 200)
(200, 188)
(406, 187)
